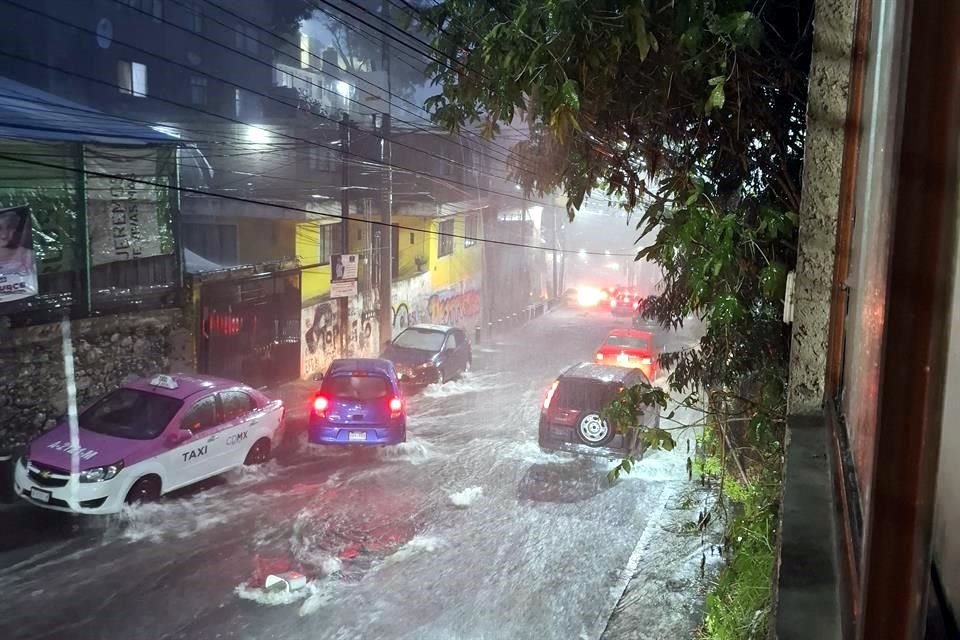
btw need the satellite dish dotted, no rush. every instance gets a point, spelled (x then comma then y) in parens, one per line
(104, 33)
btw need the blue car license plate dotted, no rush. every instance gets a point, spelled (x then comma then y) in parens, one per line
(357, 436)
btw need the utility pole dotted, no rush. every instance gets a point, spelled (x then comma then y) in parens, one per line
(386, 231)
(556, 244)
(344, 239)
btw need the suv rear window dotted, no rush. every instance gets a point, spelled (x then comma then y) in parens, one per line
(357, 387)
(579, 393)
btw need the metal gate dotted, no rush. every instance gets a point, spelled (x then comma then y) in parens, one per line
(249, 329)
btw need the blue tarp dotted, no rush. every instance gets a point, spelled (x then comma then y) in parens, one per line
(27, 113)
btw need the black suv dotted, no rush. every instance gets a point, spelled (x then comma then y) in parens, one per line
(570, 415)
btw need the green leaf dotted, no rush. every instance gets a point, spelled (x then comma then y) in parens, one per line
(569, 95)
(773, 280)
(716, 99)
(640, 35)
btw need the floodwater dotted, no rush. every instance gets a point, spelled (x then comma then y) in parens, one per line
(466, 531)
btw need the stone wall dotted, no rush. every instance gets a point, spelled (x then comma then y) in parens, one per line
(823, 158)
(107, 351)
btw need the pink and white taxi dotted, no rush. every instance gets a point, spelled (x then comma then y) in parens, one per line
(146, 439)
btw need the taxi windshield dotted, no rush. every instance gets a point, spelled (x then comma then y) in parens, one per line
(422, 339)
(130, 413)
(630, 342)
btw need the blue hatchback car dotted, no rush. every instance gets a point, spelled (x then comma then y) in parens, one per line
(359, 403)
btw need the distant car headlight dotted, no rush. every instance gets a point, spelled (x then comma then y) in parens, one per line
(101, 474)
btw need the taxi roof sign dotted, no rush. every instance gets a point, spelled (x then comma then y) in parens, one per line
(167, 382)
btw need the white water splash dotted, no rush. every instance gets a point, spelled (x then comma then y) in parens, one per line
(469, 383)
(412, 451)
(466, 497)
(415, 546)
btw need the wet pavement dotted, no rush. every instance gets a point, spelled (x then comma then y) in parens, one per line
(465, 531)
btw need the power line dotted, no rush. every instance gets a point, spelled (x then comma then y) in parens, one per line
(400, 227)
(488, 143)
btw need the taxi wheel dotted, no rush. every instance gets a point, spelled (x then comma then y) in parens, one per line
(146, 489)
(259, 452)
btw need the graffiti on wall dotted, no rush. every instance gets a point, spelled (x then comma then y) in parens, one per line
(322, 332)
(459, 305)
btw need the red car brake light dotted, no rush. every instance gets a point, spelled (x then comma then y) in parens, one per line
(320, 405)
(396, 407)
(552, 390)
(646, 361)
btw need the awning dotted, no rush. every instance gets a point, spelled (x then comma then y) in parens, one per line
(27, 113)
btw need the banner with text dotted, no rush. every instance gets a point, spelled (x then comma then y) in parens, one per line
(18, 267)
(122, 211)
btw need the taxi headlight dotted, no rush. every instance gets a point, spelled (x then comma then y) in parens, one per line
(101, 474)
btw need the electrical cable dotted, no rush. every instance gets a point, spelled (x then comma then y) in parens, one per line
(400, 227)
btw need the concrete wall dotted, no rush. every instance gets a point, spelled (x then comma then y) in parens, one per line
(823, 157)
(106, 350)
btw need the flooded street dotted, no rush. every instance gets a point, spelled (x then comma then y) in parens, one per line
(467, 530)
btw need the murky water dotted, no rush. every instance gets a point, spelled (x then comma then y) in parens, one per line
(467, 530)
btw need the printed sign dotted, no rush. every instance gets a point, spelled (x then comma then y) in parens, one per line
(18, 267)
(121, 208)
(343, 289)
(344, 267)
(344, 270)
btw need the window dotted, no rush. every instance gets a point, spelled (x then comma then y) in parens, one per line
(235, 404)
(130, 413)
(198, 90)
(452, 341)
(132, 78)
(577, 393)
(324, 243)
(421, 339)
(411, 237)
(471, 231)
(195, 18)
(357, 387)
(152, 7)
(629, 342)
(215, 242)
(304, 51)
(321, 158)
(445, 239)
(245, 38)
(202, 415)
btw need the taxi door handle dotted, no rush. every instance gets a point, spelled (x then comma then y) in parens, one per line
(211, 438)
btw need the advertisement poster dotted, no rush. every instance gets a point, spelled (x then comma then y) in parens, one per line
(122, 212)
(18, 268)
(344, 269)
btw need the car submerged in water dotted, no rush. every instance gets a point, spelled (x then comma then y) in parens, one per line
(359, 403)
(148, 438)
(429, 353)
(571, 417)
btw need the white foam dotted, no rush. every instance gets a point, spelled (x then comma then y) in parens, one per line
(317, 598)
(466, 497)
(530, 452)
(273, 598)
(251, 474)
(182, 519)
(415, 546)
(470, 383)
(413, 451)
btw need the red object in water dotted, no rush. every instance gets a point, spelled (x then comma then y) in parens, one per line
(263, 567)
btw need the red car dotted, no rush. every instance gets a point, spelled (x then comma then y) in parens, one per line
(629, 348)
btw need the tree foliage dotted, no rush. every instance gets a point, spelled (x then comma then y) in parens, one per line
(689, 111)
